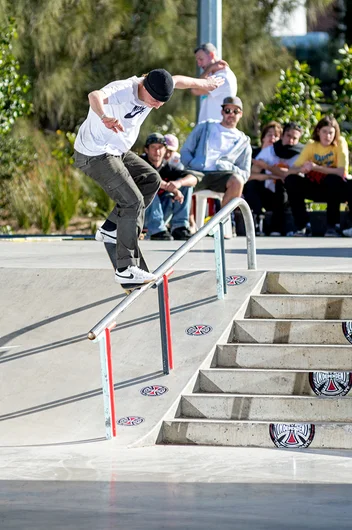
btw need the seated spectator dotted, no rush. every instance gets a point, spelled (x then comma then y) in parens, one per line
(174, 196)
(348, 231)
(172, 156)
(220, 153)
(271, 133)
(265, 190)
(319, 174)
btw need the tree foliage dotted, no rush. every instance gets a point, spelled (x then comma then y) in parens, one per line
(297, 97)
(343, 98)
(13, 86)
(70, 47)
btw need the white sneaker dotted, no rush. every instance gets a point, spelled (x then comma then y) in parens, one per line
(347, 232)
(105, 236)
(134, 274)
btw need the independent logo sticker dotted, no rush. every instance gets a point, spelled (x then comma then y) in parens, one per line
(154, 390)
(292, 435)
(330, 383)
(235, 280)
(199, 330)
(130, 421)
(347, 330)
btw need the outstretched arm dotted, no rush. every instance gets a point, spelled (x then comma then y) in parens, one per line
(211, 69)
(210, 83)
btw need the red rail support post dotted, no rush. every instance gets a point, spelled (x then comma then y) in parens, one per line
(168, 317)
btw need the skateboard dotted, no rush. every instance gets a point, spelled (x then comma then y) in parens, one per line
(127, 287)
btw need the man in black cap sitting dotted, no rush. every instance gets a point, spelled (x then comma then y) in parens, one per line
(102, 151)
(174, 198)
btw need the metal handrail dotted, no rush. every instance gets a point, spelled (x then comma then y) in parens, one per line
(109, 321)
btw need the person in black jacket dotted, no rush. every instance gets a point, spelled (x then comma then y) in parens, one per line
(173, 200)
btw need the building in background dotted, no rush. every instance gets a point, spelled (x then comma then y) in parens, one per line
(315, 39)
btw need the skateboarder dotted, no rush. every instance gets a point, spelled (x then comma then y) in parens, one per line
(102, 151)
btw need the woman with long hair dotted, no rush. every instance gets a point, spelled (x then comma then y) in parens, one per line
(320, 174)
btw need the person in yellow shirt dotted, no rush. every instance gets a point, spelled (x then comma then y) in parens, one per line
(320, 174)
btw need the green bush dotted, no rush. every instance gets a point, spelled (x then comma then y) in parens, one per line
(297, 98)
(342, 100)
(43, 196)
(13, 86)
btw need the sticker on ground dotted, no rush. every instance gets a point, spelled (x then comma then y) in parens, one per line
(347, 330)
(330, 383)
(198, 330)
(130, 421)
(235, 280)
(292, 435)
(154, 390)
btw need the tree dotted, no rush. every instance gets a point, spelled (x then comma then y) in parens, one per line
(297, 98)
(343, 98)
(70, 47)
(14, 87)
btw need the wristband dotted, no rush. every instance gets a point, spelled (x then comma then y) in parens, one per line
(103, 116)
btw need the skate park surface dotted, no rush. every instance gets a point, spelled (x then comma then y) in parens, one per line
(57, 469)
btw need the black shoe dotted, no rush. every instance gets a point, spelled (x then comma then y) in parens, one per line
(162, 236)
(181, 233)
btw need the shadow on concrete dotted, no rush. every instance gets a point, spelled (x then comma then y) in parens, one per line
(14, 334)
(323, 252)
(83, 336)
(80, 397)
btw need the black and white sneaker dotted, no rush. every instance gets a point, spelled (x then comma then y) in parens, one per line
(134, 275)
(105, 237)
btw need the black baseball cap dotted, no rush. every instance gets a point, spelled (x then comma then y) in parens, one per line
(155, 138)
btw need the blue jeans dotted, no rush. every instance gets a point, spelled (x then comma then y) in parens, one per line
(162, 207)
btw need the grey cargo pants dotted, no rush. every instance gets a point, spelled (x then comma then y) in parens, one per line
(132, 184)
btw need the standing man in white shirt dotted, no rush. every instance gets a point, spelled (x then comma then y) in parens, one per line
(211, 101)
(102, 151)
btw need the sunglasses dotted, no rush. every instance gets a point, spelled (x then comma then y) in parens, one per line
(232, 111)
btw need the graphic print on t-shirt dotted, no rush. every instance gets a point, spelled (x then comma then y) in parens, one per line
(137, 109)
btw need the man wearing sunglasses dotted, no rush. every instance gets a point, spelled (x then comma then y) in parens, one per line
(220, 153)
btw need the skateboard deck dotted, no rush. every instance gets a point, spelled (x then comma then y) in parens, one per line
(127, 287)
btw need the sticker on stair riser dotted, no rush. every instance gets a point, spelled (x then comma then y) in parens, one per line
(154, 390)
(347, 330)
(330, 383)
(130, 421)
(292, 435)
(235, 280)
(198, 330)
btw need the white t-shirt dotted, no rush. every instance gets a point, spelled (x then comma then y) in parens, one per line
(220, 142)
(269, 156)
(95, 139)
(210, 104)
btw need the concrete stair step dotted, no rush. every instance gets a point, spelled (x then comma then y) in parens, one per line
(277, 382)
(290, 331)
(256, 434)
(287, 409)
(289, 356)
(338, 283)
(315, 307)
